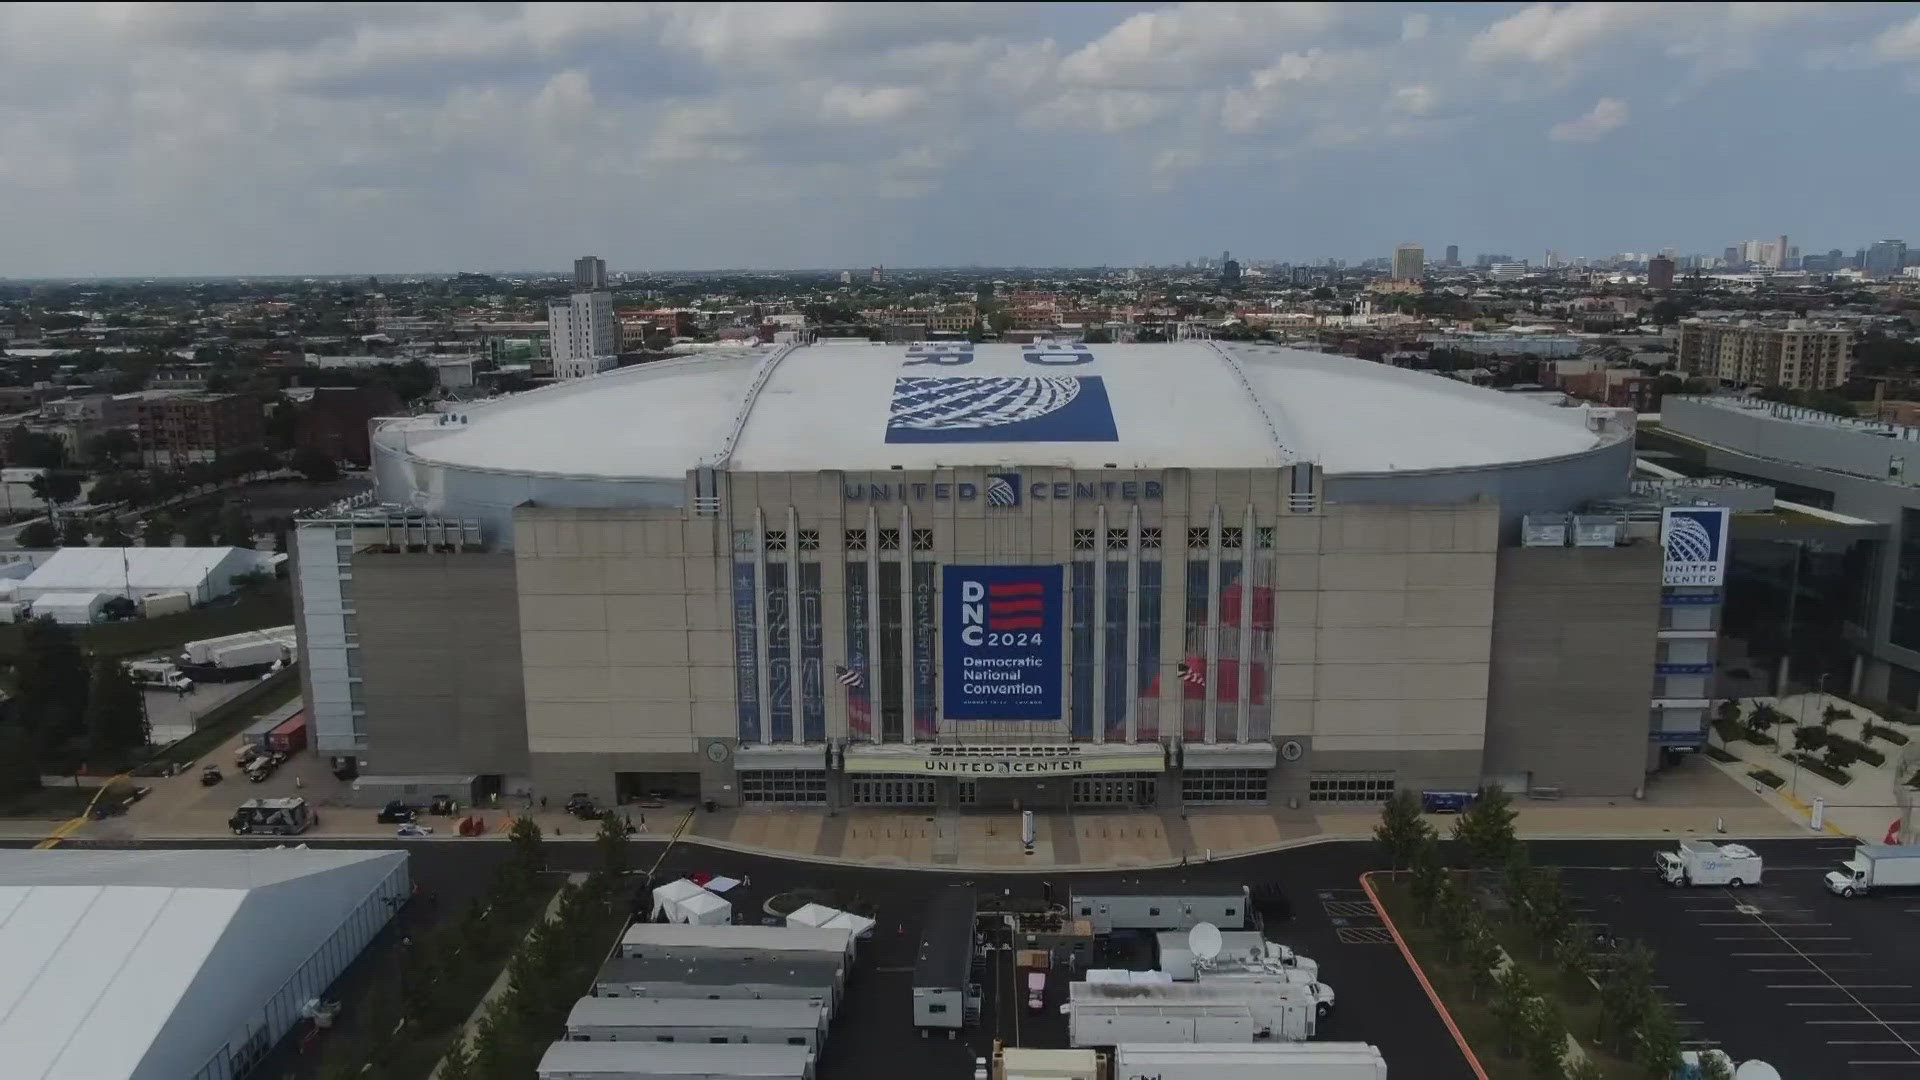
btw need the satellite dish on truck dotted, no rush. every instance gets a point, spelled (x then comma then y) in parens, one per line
(1203, 941)
(1756, 1070)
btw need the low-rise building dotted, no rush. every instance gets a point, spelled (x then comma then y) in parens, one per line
(1797, 355)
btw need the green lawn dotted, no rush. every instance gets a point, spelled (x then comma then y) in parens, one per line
(1475, 1020)
(55, 803)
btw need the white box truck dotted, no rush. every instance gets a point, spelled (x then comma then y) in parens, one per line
(1703, 862)
(1263, 1061)
(1876, 866)
(159, 674)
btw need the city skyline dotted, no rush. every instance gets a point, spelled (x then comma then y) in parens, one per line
(237, 141)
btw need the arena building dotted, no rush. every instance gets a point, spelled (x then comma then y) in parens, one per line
(996, 575)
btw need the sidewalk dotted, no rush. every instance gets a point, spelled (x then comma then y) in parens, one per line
(1698, 798)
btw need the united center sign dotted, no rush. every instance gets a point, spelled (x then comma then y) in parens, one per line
(1013, 763)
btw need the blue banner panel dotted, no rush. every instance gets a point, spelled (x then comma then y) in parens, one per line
(746, 653)
(1017, 408)
(1002, 633)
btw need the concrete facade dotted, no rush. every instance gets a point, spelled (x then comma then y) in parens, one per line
(1573, 661)
(439, 663)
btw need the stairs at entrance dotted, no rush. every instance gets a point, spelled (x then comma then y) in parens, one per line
(946, 838)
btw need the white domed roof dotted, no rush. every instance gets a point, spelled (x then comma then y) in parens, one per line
(860, 406)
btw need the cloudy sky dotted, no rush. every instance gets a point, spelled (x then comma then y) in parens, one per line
(149, 138)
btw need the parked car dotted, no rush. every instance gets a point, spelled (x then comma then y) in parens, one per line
(263, 767)
(413, 829)
(396, 813)
(211, 775)
(581, 805)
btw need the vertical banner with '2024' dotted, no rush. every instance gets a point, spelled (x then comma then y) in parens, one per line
(1002, 634)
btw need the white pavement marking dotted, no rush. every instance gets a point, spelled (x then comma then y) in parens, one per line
(1915, 1061)
(1851, 1005)
(1888, 1025)
(1839, 986)
(1749, 922)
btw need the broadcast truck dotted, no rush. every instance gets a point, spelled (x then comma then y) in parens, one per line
(1876, 866)
(278, 817)
(1703, 862)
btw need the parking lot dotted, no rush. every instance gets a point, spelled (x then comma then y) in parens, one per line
(1784, 971)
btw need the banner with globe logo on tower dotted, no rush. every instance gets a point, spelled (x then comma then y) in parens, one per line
(1695, 542)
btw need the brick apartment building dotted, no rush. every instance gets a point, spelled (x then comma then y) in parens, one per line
(178, 427)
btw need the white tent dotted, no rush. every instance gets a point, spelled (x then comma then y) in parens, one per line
(860, 925)
(202, 573)
(667, 898)
(706, 909)
(69, 608)
(819, 915)
(812, 915)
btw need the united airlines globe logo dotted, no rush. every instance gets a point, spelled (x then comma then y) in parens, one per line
(1689, 541)
(1000, 408)
(1003, 489)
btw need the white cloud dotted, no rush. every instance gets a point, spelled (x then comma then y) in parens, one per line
(1546, 33)
(1415, 26)
(1900, 42)
(1607, 115)
(1412, 100)
(868, 104)
(1192, 44)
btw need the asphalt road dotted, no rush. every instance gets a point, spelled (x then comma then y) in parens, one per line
(1817, 985)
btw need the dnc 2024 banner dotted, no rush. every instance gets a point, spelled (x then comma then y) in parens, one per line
(1002, 634)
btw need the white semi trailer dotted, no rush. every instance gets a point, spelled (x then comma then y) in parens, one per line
(1876, 866)
(1270, 1061)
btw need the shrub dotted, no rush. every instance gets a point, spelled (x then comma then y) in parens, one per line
(1728, 728)
(1767, 777)
(1880, 731)
(1819, 768)
(1810, 738)
(1855, 750)
(1835, 712)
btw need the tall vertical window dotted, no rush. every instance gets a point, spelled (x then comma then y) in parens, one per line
(746, 653)
(779, 660)
(813, 675)
(1147, 709)
(857, 680)
(1081, 713)
(923, 649)
(1225, 673)
(1904, 630)
(1260, 625)
(892, 664)
(1193, 695)
(1114, 676)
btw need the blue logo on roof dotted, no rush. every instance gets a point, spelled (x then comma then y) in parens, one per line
(1003, 489)
(1695, 536)
(1001, 408)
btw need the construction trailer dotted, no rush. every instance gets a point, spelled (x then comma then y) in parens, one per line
(773, 1022)
(943, 995)
(801, 979)
(568, 1060)
(1132, 905)
(696, 942)
(1264, 1061)
(1109, 1014)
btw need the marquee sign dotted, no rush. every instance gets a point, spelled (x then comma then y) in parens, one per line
(1012, 763)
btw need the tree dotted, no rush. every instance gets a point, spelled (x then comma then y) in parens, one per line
(111, 446)
(38, 534)
(1840, 755)
(1512, 991)
(1584, 1069)
(1543, 1040)
(614, 854)
(1657, 1050)
(314, 464)
(1427, 881)
(51, 679)
(529, 849)
(1402, 830)
(158, 531)
(235, 529)
(19, 762)
(74, 533)
(1809, 738)
(1480, 952)
(1486, 827)
(1576, 963)
(199, 531)
(55, 488)
(116, 714)
(1713, 1066)
(458, 1064)
(1626, 994)
(112, 534)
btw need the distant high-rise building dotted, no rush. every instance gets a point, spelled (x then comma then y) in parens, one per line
(1553, 258)
(1453, 255)
(1409, 262)
(879, 275)
(846, 277)
(1229, 269)
(1780, 254)
(1660, 272)
(589, 272)
(1798, 356)
(583, 331)
(1509, 271)
(1731, 258)
(1884, 259)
